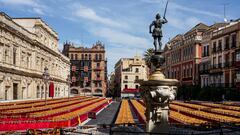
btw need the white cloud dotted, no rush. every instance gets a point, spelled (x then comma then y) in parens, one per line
(175, 6)
(114, 54)
(19, 2)
(122, 38)
(90, 14)
(35, 5)
(38, 11)
(183, 23)
(194, 10)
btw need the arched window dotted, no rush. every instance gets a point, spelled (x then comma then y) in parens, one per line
(96, 56)
(82, 57)
(42, 92)
(100, 56)
(76, 56)
(86, 56)
(38, 92)
(90, 56)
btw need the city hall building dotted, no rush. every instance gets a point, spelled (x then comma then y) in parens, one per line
(27, 46)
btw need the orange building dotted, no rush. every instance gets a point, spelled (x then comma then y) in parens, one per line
(88, 69)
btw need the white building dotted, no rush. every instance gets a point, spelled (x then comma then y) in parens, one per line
(27, 46)
(127, 71)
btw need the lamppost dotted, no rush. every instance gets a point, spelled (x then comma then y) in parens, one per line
(46, 77)
(69, 85)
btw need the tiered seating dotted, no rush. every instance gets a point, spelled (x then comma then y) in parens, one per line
(173, 115)
(60, 112)
(15, 106)
(206, 115)
(63, 109)
(139, 110)
(231, 103)
(49, 106)
(125, 114)
(209, 109)
(185, 119)
(236, 108)
(86, 109)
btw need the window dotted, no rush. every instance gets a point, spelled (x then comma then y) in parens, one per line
(95, 84)
(86, 56)
(126, 77)
(136, 77)
(220, 45)
(76, 56)
(100, 56)
(82, 57)
(238, 56)
(214, 46)
(234, 40)
(72, 56)
(96, 56)
(14, 56)
(136, 86)
(90, 56)
(136, 70)
(226, 42)
(126, 86)
(98, 64)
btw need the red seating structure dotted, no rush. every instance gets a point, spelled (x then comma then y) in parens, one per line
(61, 112)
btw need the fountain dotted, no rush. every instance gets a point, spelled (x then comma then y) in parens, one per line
(158, 91)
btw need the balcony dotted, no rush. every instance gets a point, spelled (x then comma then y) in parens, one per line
(216, 66)
(214, 50)
(226, 47)
(204, 71)
(229, 64)
(97, 59)
(98, 79)
(98, 68)
(219, 49)
(233, 44)
(223, 85)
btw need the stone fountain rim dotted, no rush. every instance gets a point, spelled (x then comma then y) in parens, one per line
(162, 82)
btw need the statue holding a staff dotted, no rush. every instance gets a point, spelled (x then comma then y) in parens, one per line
(157, 31)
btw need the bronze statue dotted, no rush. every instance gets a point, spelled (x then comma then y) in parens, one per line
(157, 31)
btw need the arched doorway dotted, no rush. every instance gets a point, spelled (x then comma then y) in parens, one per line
(74, 91)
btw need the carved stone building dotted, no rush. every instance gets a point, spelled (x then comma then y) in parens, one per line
(127, 71)
(88, 69)
(27, 46)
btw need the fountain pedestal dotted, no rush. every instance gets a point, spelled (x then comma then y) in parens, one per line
(157, 92)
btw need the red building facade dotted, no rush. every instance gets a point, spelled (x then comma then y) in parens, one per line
(183, 56)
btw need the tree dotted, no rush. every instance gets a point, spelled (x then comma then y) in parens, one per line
(147, 56)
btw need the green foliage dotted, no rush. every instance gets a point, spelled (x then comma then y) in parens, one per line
(147, 56)
(207, 93)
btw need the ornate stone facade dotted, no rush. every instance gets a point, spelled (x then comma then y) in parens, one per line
(27, 45)
(88, 69)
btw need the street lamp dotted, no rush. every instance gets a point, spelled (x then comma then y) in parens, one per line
(46, 77)
(69, 85)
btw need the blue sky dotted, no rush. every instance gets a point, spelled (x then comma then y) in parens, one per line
(122, 25)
